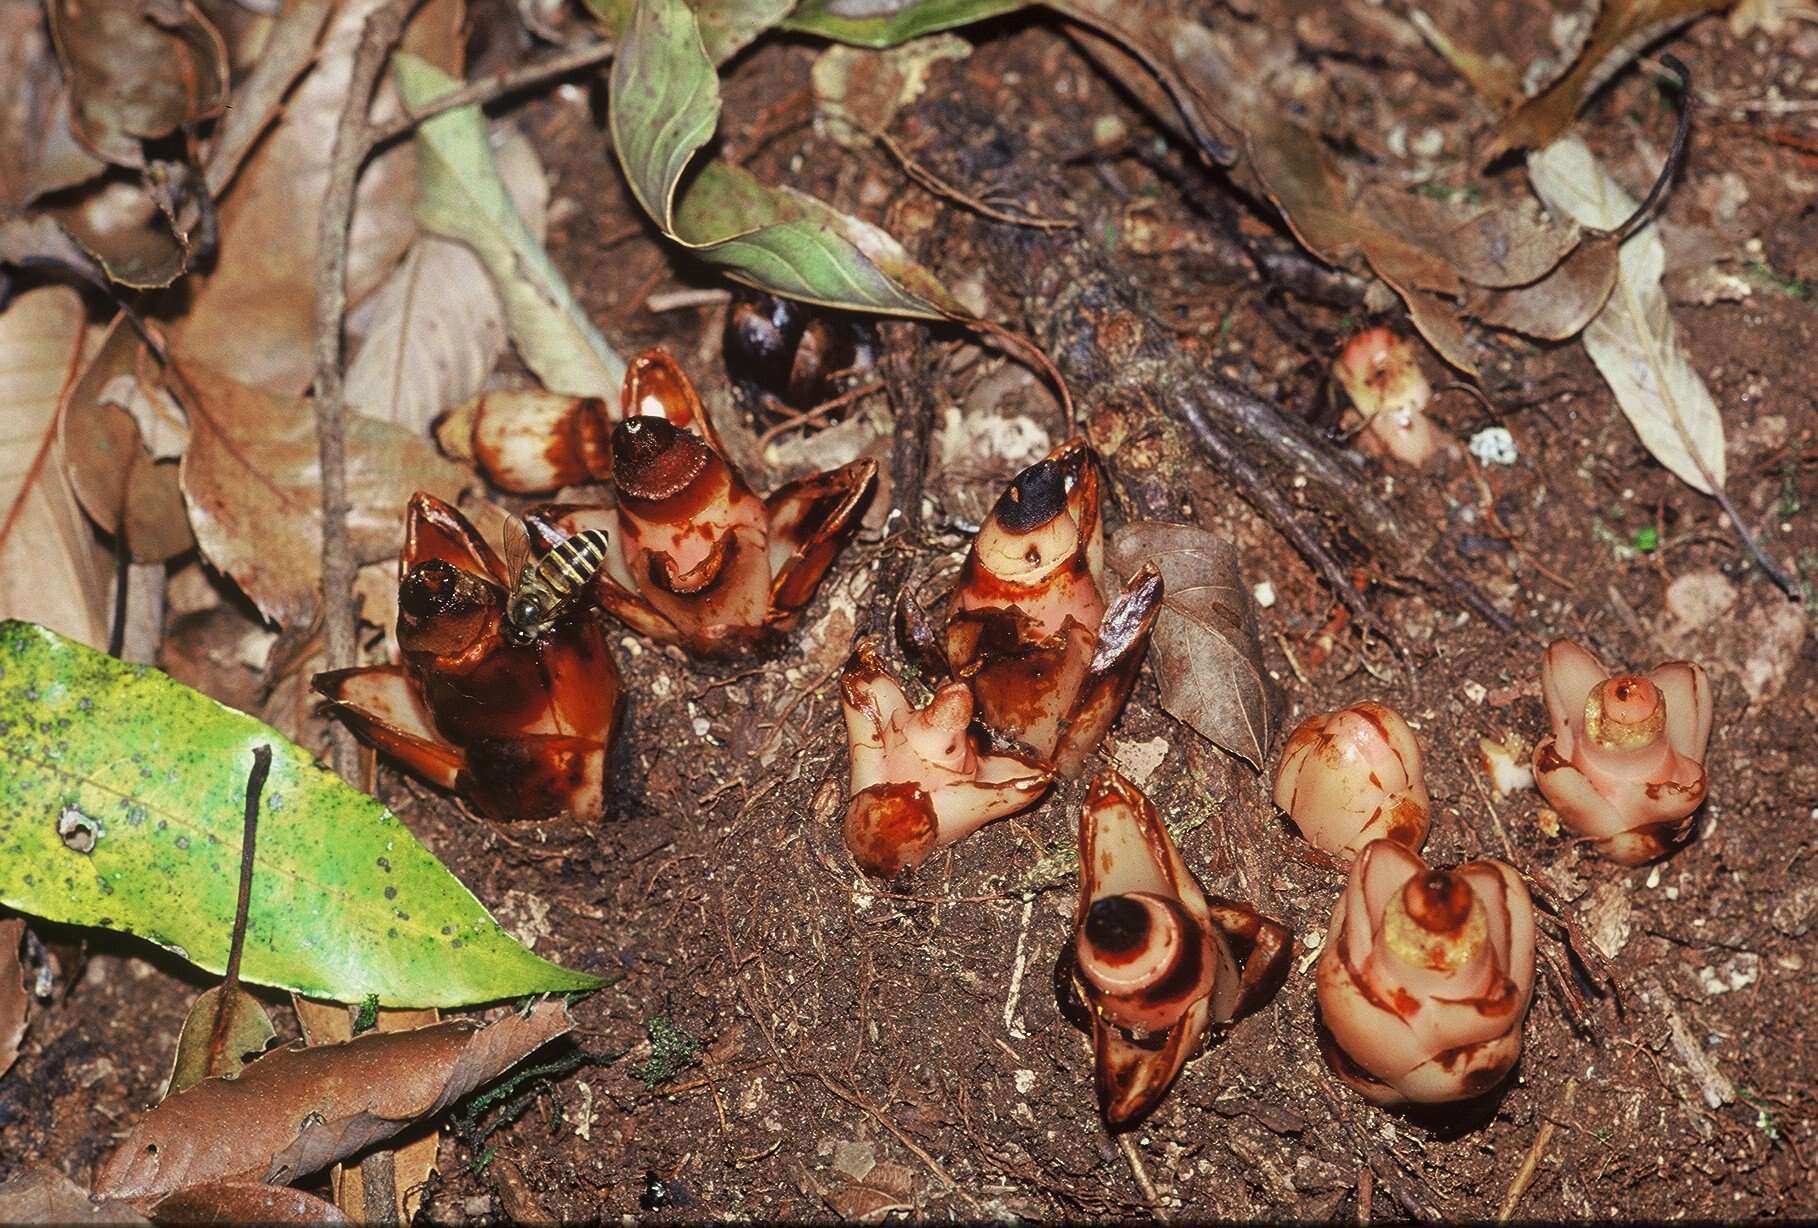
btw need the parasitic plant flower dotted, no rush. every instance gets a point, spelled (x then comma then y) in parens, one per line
(1029, 629)
(1154, 961)
(1353, 776)
(521, 730)
(1624, 764)
(1426, 977)
(701, 560)
(1379, 372)
(920, 778)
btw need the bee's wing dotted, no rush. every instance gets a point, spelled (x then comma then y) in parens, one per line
(516, 543)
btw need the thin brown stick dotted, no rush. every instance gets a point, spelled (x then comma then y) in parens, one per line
(353, 144)
(940, 187)
(1137, 1170)
(230, 982)
(816, 413)
(488, 89)
(1524, 1177)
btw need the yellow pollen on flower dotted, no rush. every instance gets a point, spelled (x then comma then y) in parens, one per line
(1435, 922)
(1624, 713)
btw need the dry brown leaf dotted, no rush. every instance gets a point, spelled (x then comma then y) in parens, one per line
(15, 998)
(253, 481)
(301, 1108)
(435, 329)
(138, 70)
(1623, 28)
(43, 1195)
(249, 1030)
(1632, 340)
(253, 318)
(246, 1202)
(287, 51)
(43, 155)
(414, 1155)
(52, 568)
(1482, 245)
(1560, 304)
(1207, 657)
(105, 455)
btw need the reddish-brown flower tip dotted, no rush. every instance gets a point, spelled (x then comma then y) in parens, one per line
(520, 731)
(1352, 776)
(700, 560)
(1624, 765)
(1426, 977)
(1028, 625)
(920, 779)
(1155, 962)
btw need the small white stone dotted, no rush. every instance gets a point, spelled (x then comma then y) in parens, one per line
(1025, 1082)
(1494, 446)
(1264, 592)
(1475, 691)
(1653, 878)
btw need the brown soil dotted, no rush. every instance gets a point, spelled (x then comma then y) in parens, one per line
(843, 1026)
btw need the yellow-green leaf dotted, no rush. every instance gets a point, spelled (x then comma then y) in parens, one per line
(122, 799)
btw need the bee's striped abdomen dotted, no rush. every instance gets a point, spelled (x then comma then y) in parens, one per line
(572, 563)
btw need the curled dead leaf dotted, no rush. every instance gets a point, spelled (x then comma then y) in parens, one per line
(15, 999)
(301, 1108)
(1207, 656)
(246, 1202)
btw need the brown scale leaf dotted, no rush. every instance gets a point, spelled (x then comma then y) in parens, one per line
(253, 481)
(15, 999)
(301, 1108)
(1207, 657)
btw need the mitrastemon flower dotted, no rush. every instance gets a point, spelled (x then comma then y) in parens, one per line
(1379, 372)
(1029, 628)
(1154, 961)
(921, 779)
(1426, 977)
(521, 730)
(1624, 764)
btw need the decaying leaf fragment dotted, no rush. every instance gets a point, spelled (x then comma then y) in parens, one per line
(245, 1202)
(15, 999)
(1208, 659)
(43, 1195)
(1632, 339)
(1623, 29)
(253, 480)
(52, 570)
(137, 70)
(248, 1031)
(301, 1108)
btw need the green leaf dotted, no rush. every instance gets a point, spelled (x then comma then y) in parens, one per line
(665, 103)
(150, 777)
(791, 244)
(727, 26)
(461, 196)
(906, 20)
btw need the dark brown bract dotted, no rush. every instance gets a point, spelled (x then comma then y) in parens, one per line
(1154, 962)
(519, 731)
(1030, 630)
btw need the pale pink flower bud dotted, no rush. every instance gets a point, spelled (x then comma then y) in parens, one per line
(1379, 372)
(1426, 977)
(1352, 776)
(1624, 765)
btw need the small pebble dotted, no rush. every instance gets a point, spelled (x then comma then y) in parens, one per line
(1494, 446)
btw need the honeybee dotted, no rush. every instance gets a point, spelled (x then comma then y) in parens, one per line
(543, 587)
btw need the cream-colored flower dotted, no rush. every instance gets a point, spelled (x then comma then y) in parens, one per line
(1352, 776)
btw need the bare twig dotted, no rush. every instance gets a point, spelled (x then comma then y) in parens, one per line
(1524, 1177)
(908, 383)
(1137, 1170)
(506, 81)
(230, 982)
(353, 144)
